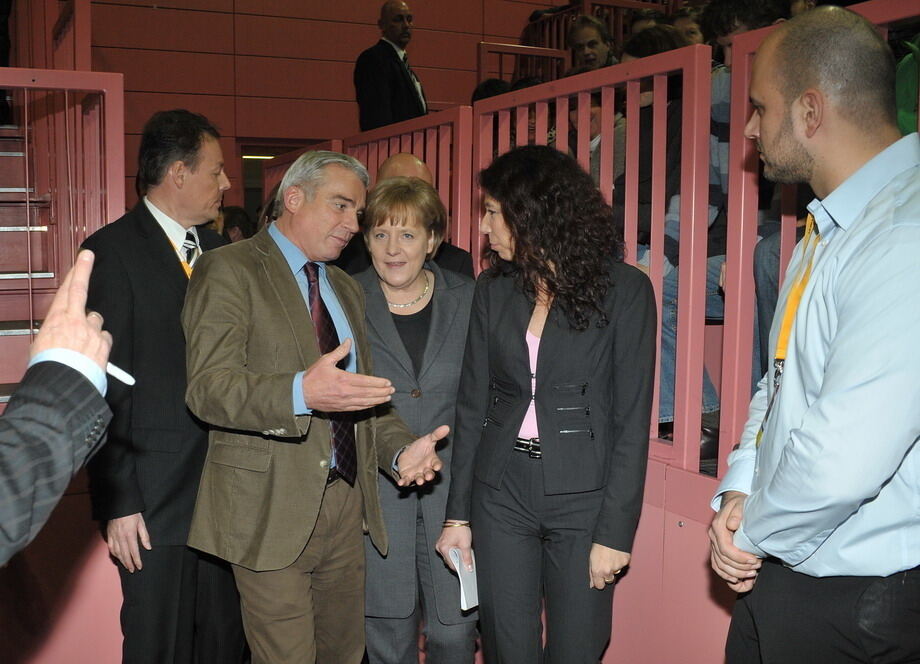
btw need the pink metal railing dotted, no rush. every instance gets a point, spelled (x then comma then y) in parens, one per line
(443, 141)
(51, 34)
(68, 180)
(525, 116)
(742, 231)
(546, 64)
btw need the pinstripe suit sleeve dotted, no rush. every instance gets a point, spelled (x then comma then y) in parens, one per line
(54, 421)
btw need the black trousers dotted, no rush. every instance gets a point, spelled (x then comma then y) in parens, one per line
(181, 608)
(530, 547)
(792, 618)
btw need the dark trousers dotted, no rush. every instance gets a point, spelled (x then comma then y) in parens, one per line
(530, 547)
(182, 607)
(792, 618)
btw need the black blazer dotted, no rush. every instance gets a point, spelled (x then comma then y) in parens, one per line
(593, 398)
(55, 419)
(384, 89)
(152, 462)
(355, 258)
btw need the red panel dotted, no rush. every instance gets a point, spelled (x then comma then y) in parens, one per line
(162, 29)
(448, 50)
(295, 38)
(162, 71)
(294, 118)
(139, 106)
(203, 5)
(297, 79)
(353, 11)
(447, 85)
(507, 18)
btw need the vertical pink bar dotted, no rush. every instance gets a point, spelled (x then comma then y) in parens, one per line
(583, 130)
(541, 112)
(431, 145)
(605, 181)
(739, 283)
(521, 125)
(442, 165)
(504, 131)
(483, 124)
(691, 290)
(787, 227)
(404, 141)
(562, 123)
(461, 178)
(418, 144)
(631, 195)
(656, 256)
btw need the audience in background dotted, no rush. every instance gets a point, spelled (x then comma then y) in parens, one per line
(236, 224)
(386, 88)
(591, 44)
(687, 22)
(491, 87)
(640, 19)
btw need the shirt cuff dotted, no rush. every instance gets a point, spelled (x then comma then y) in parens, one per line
(76, 361)
(298, 402)
(395, 465)
(739, 477)
(743, 542)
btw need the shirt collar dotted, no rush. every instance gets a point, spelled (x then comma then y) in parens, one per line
(400, 52)
(848, 201)
(293, 256)
(173, 229)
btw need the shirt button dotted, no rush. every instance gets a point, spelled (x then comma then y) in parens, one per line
(415, 394)
(324, 464)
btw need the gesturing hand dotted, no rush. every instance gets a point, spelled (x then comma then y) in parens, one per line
(738, 568)
(329, 389)
(122, 535)
(418, 463)
(67, 325)
(604, 564)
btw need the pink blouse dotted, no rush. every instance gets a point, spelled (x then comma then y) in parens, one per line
(529, 425)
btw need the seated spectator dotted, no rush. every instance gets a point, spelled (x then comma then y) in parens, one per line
(237, 224)
(640, 19)
(591, 44)
(491, 87)
(687, 22)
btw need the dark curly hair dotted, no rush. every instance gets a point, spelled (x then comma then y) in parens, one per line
(561, 226)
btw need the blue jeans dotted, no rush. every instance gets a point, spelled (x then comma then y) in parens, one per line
(715, 308)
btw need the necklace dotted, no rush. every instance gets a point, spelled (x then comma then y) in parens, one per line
(396, 305)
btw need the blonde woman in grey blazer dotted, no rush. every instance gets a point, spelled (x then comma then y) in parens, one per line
(417, 317)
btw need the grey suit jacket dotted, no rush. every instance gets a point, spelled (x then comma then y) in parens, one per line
(423, 403)
(52, 424)
(249, 332)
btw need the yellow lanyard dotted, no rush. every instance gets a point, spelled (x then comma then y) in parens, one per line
(185, 266)
(792, 306)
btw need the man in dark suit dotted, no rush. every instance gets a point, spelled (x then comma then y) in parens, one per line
(386, 88)
(354, 258)
(295, 443)
(57, 416)
(177, 606)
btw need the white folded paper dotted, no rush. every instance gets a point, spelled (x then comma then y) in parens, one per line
(469, 592)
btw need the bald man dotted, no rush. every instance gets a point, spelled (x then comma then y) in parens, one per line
(386, 88)
(818, 523)
(355, 259)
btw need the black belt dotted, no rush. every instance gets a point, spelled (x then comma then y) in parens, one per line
(529, 445)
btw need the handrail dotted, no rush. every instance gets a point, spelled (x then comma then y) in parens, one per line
(558, 60)
(443, 141)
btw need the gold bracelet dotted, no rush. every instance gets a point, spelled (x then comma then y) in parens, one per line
(451, 524)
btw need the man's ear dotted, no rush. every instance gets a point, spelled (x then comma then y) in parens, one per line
(177, 172)
(293, 197)
(811, 105)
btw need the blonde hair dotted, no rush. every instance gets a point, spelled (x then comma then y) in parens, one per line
(402, 200)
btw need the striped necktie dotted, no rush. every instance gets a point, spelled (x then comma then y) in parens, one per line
(190, 248)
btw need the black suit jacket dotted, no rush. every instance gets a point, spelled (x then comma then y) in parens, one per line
(355, 258)
(593, 398)
(152, 463)
(384, 89)
(53, 422)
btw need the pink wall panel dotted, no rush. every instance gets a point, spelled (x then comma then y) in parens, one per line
(300, 38)
(139, 106)
(295, 118)
(353, 11)
(202, 5)
(294, 79)
(162, 29)
(451, 86)
(448, 50)
(167, 71)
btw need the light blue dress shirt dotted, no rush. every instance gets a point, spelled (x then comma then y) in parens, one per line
(295, 259)
(76, 361)
(834, 488)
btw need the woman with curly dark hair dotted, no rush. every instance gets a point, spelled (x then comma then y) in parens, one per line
(553, 413)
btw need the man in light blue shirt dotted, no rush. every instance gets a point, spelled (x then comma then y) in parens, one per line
(818, 520)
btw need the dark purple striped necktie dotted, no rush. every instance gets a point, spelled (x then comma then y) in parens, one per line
(341, 424)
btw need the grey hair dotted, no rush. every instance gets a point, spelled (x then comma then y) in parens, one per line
(308, 171)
